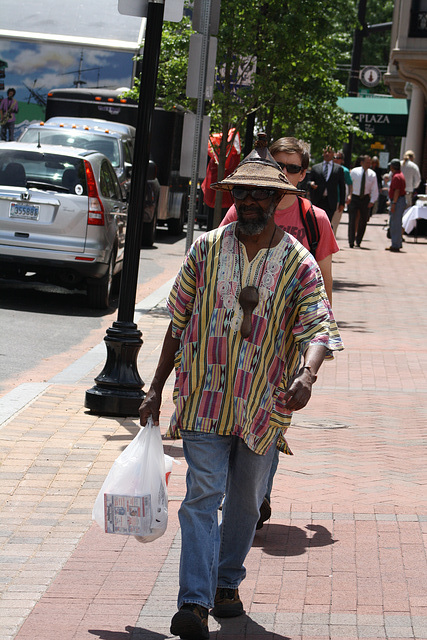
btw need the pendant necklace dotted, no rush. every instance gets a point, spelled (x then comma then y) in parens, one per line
(249, 296)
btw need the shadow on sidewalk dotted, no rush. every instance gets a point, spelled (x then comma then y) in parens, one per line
(131, 633)
(347, 285)
(360, 326)
(231, 629)
(286, 540)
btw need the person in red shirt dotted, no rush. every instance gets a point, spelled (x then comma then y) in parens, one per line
(396, 194)
(293, 157)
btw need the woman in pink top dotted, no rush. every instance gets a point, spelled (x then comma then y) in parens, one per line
(293, 157)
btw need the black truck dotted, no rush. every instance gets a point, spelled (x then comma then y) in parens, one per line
(166, 140)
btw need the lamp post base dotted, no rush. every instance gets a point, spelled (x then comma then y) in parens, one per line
(118, 390)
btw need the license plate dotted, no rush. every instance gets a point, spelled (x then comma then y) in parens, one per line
(24, 210)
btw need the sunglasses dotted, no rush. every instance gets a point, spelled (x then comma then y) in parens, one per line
(290, 168)
(256, 194)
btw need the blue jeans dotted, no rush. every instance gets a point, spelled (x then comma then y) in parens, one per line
(272, 473)
(396, 223)
(9, 126)
(212, 555)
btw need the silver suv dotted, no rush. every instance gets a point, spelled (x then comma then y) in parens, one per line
(114, 140)
(62, 218)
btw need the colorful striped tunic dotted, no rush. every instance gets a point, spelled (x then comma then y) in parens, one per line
(225, 383)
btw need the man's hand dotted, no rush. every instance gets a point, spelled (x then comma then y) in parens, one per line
(150, 407)
(299, 393)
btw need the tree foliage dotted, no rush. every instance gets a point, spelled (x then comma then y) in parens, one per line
(277, 61)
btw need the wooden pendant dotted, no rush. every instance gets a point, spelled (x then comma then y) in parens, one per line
(248, 300)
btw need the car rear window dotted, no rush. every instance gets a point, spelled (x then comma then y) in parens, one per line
(46, 171)
(77, 139)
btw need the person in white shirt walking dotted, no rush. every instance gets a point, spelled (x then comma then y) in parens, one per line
(365, 193)
(412, 176)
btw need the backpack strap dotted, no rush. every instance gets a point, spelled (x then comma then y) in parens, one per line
(309, 220)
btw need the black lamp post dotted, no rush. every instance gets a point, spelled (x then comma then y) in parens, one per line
(118, 389)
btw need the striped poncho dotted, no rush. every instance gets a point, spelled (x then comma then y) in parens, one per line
(225, 383)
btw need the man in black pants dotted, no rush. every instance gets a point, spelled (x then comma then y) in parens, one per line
(365, 194)
(326, 181)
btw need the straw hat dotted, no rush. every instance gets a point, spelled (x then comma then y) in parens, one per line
(257, 170)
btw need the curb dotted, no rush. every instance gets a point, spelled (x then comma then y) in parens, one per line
(14, 401)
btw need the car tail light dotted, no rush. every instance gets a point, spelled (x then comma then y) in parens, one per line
(96, 210)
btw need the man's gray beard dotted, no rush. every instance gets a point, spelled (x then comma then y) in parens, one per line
(255, 227)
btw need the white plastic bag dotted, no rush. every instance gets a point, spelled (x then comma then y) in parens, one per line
(133, 498)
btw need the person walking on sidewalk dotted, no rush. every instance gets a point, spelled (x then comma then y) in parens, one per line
(365, 193)
(327, 184)
(250, 326)
(336, 219)
(412, 176)
(396, 194)
(291, 215)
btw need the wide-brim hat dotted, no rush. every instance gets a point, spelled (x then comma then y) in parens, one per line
(257, 170)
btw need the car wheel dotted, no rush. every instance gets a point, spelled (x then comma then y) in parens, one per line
(99, 289)
(149, 231)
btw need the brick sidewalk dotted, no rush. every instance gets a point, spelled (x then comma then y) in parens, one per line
(344, 555)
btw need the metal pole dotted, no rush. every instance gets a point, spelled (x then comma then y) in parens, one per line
(118, 389)
(205, 22)
(353, 84)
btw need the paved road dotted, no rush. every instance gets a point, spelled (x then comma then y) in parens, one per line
(42, 322)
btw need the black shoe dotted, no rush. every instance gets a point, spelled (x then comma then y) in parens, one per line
(191, 622)
(351, 246)
(227, 603)
(393, 249)
(264, 513)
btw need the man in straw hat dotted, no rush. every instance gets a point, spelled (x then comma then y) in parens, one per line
(250, 326)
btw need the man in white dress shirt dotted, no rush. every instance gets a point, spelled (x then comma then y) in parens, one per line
(365, 193)
(412, 176)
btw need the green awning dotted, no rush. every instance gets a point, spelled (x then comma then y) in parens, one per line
(381, 116)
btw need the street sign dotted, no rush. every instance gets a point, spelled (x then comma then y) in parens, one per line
(188, 142)
(214, 19)
(174, 9)
(194, 62)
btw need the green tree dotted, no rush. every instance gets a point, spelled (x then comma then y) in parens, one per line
(173, 63)
(295, 47)
(276, 59)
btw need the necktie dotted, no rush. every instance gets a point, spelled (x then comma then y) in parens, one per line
(325, 170)
(362, 184)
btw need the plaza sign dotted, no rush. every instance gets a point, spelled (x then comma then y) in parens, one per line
(380, 116)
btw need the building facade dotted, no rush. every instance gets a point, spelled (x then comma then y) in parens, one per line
(407, 72)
